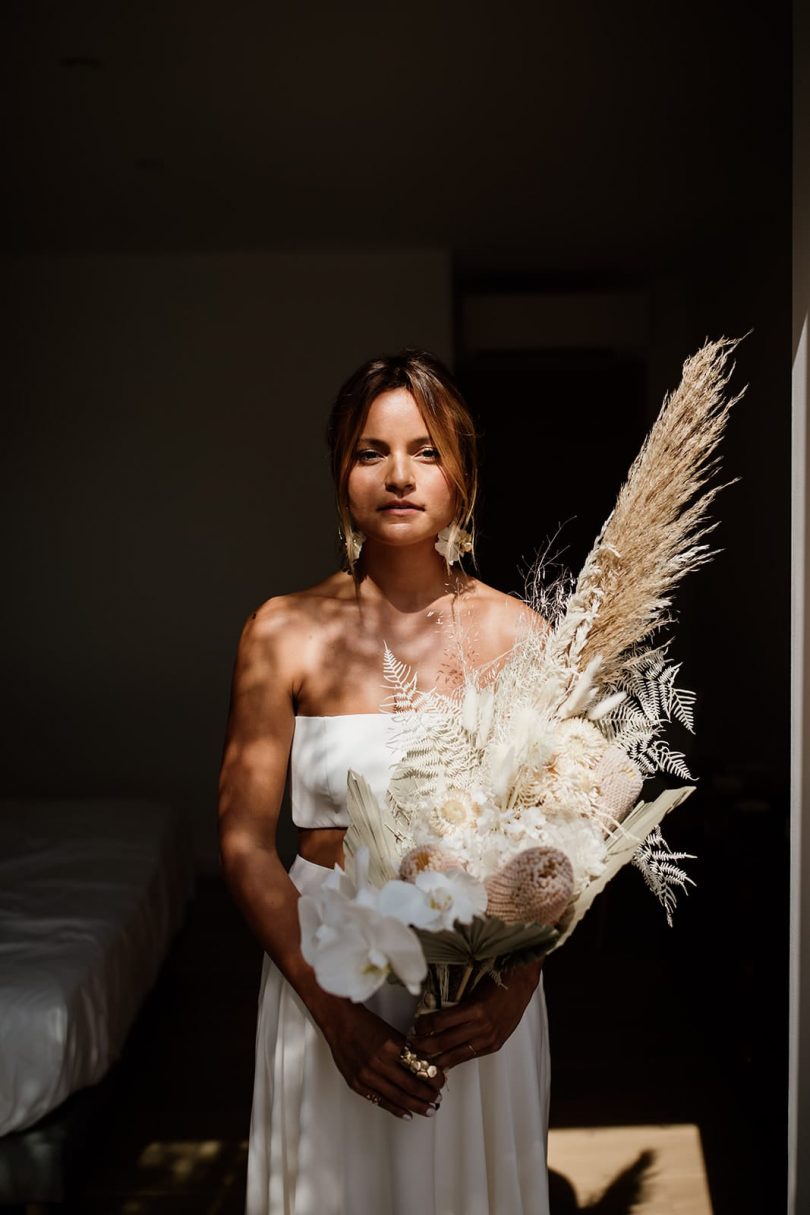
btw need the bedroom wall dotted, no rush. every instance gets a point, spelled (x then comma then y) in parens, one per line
(164, 472)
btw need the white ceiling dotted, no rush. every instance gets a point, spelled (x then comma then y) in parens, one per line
(596, 136)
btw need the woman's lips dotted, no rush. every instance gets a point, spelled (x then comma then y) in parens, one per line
(400, 508)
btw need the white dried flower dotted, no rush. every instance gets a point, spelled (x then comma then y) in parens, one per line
(452, 541)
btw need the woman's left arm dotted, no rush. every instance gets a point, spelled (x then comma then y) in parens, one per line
(480, 1023)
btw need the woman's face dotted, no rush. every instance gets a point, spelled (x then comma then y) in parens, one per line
(398, 491)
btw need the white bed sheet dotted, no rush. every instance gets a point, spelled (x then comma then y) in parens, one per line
(91, 893)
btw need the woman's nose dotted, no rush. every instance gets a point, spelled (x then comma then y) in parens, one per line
(399, 473)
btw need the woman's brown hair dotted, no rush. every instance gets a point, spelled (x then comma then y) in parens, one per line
(446, 415)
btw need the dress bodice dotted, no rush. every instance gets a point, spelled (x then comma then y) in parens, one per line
(323, 751)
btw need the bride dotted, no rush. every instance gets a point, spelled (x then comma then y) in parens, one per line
(339, 1123)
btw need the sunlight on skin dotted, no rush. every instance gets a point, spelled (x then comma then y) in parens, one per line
(672, 1177)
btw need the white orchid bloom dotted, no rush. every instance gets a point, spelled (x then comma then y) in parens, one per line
(314, 930)
(353, 941)
(398, 899)
(357, 957)
(405, 902)
(452, 895)
(322, 915)
(323, 910)
(339, 880)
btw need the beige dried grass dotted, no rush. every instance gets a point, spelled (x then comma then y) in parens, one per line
(651, 539)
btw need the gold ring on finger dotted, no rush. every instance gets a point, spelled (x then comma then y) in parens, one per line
(419, 1067)
(374, 1098)
(472, 1048)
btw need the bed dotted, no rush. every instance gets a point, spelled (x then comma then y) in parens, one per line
(92, 892)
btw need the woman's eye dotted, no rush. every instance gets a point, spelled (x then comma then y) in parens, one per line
(367, 454)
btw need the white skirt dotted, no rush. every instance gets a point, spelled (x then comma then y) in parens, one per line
(318, 1148)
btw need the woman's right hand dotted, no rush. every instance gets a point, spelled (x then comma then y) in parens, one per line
(366, 1050)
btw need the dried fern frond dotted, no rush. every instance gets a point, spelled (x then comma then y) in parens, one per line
(650, 539)
(435, 751)
(438, 755)
(656, 860)
(623, 845)
(402, 681)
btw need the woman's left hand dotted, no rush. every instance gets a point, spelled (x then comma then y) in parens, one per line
(480, 1023)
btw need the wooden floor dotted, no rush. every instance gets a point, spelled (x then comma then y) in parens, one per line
(644, 1119)
(646, 1169)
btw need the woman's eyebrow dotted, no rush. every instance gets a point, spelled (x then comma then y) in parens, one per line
(420, 442)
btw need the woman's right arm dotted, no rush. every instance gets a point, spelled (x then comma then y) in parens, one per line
(251, 786)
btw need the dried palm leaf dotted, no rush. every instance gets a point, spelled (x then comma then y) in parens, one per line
(371, 826)
(622, 845)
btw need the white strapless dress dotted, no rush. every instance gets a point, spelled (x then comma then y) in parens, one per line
(318, 1148)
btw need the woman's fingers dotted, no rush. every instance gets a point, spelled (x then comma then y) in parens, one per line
(430, 1023)
(420, 1088)
(461, 1054)
(370, 1059)
(434, 1046)
(397, 1098)
(401, 1094)
(464, 1040)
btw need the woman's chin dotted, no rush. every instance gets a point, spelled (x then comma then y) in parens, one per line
(401, 537)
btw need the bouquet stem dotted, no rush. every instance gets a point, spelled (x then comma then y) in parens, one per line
(463, 982)
(438, 982)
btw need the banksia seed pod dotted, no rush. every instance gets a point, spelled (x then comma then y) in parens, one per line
(535, 887)
(619, 780)
(426, 856)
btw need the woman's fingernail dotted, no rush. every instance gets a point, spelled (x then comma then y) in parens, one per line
(408, 1116)
(430, 1111)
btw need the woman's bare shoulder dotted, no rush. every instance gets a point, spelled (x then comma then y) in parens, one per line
(282, 639)
(297, 615)
(503, 615)
(304, 603)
